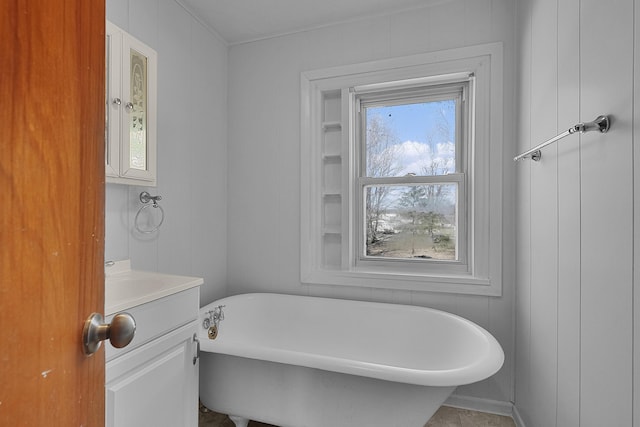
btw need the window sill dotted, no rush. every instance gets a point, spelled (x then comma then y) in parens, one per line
(456, 284)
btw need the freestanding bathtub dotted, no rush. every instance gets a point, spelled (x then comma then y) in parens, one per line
(297, 361)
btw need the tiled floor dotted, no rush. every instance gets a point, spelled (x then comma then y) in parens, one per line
(453, 417)
(214, 419)
(445, 417)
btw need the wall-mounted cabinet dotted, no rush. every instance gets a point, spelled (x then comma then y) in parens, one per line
(131, 98)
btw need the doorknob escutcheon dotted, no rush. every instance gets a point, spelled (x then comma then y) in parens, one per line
(119, 332)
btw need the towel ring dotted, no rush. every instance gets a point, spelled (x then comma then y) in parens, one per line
(145, 198)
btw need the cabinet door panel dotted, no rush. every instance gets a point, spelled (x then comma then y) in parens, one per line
(154, 385)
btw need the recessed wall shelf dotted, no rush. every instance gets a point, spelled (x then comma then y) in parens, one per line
(334, 196)
(334, 158)
(332, 231)
(326, 126)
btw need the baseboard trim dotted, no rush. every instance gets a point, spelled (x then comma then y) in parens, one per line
(483, 405)
(486, 405)
(517, 418)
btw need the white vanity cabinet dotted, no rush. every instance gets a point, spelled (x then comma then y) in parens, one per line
(131, 101)
(153, 381)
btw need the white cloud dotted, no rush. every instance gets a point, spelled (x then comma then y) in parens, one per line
(414, 157)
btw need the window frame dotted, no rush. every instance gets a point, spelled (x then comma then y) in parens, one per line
(327, 250)
(401, 93)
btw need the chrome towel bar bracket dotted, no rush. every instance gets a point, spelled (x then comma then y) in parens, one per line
(145, 198)
(600, 124)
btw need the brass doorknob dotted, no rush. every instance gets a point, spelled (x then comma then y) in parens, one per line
(119, 332)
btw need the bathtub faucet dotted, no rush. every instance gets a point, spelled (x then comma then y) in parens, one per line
(218, 314)
(214, 317)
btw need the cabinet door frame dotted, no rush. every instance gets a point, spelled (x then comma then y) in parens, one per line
(113, 50)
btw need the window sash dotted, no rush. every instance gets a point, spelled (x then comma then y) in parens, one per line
(457, 90)
(460, 264)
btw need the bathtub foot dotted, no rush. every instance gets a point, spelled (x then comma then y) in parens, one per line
(239, 421)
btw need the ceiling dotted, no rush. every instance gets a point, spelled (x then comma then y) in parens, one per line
(239, 21)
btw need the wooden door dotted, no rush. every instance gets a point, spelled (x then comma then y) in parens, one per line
(51, 210)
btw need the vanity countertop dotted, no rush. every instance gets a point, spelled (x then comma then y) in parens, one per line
(125, 288)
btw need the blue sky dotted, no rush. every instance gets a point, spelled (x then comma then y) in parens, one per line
(413, 122)
(414, 125)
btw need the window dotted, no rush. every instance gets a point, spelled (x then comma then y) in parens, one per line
(401, 173)
(412, 171)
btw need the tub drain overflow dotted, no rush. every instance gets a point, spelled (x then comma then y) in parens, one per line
(212, 321)
(213, 332)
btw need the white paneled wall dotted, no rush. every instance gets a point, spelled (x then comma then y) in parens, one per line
(636, 222)
(575, 308)
(264, 155)
(192, 149)
(607, 199)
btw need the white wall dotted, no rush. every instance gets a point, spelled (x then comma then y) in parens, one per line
(264, 154)
(192, 150)
(576, 225)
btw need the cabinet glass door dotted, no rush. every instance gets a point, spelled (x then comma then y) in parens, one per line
(139, 83)
(137, 109)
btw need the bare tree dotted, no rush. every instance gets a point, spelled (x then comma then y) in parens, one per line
(381, 162)
(413, 200)
(437, 193)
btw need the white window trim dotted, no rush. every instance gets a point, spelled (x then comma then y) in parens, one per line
(485, 185)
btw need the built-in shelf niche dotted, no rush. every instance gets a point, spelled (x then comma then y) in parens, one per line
(331, 214)
(332, 251)
(332, 178)
(332, 139)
